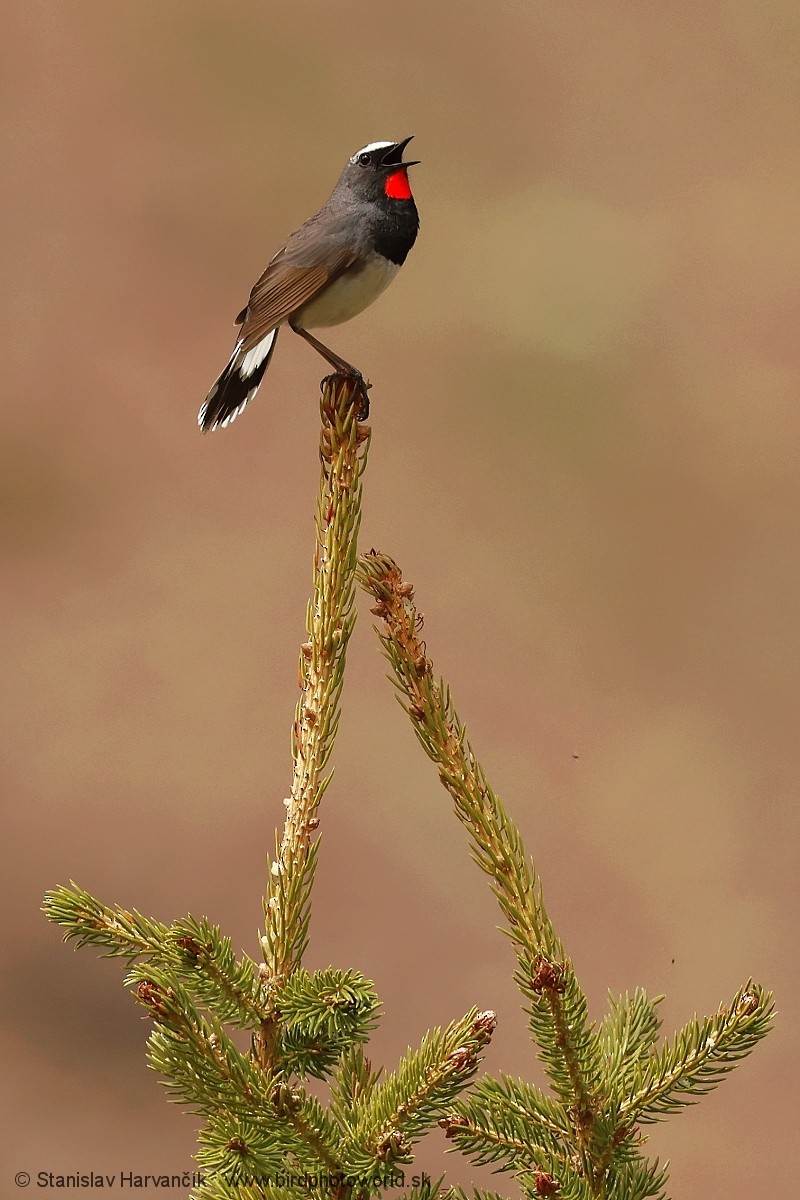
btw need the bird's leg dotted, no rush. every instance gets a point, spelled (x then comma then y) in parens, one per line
(339, 364)
(341, 367)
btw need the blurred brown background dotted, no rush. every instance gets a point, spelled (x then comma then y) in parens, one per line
(585, 455)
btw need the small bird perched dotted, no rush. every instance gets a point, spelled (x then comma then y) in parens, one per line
(328, 271)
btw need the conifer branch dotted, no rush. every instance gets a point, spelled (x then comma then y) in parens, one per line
(122, 933)
(200, 1064)
(265, 1137)
(234, 1151)
(314, 1128)
(352, 1083)
(218, 1187)
(207, 964)
(330, 618)
(324, 1003)
(636, 1180)
(204, 1069)
(627, 1035)
(699, 1057)
(488, 1141)
(511, 1122)
(558, 1012)
(322, 1015)
(260, 1126)
(585, 1145)
(193, 951)
(401, 1108)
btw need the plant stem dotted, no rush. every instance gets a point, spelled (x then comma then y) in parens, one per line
(544, 974)
(330, 618)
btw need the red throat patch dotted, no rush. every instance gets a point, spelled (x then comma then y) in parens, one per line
(397, 186)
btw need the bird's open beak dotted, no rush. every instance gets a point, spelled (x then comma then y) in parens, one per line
(393, 156)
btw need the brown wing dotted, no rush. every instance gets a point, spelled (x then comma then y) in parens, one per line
(318, 252)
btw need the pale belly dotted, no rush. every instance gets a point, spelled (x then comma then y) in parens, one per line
(347, 296)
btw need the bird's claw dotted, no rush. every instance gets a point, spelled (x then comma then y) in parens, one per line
(360, 389)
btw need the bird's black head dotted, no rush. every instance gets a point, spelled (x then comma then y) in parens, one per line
(377, 172)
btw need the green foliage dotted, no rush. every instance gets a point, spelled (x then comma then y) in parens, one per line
(627, 1035)
(511, 1123)
(192, 952)
(220, 1186)
(607, 1081)
(699, 1057)
(330, 619)
(264, 1135)
(322, 1016)
(352, 1083)
(396, 1112)
(231, 988)
(201, 1066)
(121, 933)
(636, 1180)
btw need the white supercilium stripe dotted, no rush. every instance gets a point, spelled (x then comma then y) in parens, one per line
(371, 146)
(255, 357)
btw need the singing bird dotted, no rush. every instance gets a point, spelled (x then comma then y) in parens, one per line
(326, 272)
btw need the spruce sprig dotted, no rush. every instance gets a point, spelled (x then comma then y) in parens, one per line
(194, 952)
(699, 1056)
(494, 1122)
(120, 932)
(330, 619)
(201, 1066)
(403, 1106)
(608, 1081)
(265, 1137)
(627, 1035)
(352, 1083)
(557, 1006)
(322, 1016)
(232, 988)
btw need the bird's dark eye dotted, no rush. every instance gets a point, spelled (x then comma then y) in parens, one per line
(364, 160)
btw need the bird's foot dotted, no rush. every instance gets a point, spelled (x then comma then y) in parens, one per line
(361, 388)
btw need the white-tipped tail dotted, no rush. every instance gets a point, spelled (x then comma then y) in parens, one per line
(237, 384)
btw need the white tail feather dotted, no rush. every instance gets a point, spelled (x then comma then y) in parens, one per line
(255, 357)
